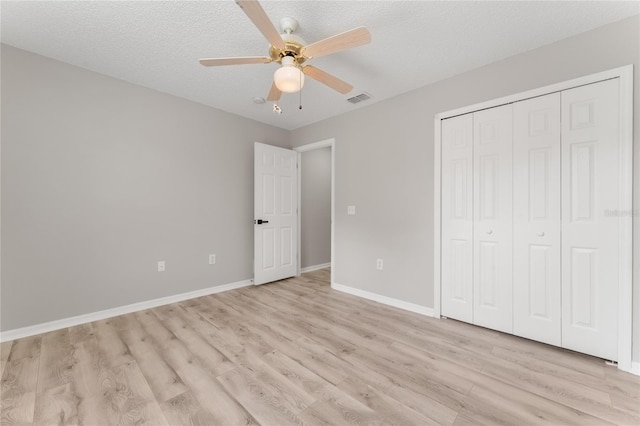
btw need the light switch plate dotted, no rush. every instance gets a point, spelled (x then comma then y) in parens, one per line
(351, 210)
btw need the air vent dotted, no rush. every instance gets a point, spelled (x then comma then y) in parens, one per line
(359, 98)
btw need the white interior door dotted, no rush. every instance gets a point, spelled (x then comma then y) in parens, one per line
(457, 218)
(536, 219)
(493, 211)
(275, 213)
(590, 225)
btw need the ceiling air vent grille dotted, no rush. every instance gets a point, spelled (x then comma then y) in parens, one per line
(359, 98)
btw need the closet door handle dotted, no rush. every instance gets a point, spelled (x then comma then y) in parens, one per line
(540, 234)
(489, 231)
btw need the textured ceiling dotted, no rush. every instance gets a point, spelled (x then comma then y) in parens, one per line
(157, 44)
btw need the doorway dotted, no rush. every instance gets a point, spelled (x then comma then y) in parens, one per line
(316, 186)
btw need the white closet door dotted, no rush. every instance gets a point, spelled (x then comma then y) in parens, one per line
(493, 207)
(536, 219)
(590, 188)
(457, 218)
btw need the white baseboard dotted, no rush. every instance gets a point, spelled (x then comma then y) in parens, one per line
(407, 306)
(19, 333)
(314, 268)
(635, 368)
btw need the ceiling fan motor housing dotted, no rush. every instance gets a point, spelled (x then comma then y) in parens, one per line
(293, 44)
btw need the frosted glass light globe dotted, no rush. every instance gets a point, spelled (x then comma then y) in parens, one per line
(288, 78)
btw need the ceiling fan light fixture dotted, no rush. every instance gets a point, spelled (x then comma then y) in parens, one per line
(289, 78)
(292, 52)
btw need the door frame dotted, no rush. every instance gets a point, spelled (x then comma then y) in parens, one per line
(625, 176)
(310, 147)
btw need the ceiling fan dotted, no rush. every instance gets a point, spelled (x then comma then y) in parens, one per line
(292, 52)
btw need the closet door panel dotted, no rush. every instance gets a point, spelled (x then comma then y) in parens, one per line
(536, 219)
(457, 218)
(492, 281)
(590, 157)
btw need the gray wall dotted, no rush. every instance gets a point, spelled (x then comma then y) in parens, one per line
(384, 161)
(101, 179)
(315, 216)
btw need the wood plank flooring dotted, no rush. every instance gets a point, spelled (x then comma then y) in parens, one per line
(298, 352)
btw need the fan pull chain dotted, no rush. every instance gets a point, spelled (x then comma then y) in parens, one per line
(300, 81)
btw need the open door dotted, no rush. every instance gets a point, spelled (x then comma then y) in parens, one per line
(275, 213)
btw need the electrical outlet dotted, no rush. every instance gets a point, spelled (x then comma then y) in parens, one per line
(379, 264)
(212, 259)
(351, 210)
(161, 266)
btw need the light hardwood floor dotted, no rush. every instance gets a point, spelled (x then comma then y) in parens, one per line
(298, 352)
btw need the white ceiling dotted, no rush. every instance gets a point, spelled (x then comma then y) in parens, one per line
(157, 44)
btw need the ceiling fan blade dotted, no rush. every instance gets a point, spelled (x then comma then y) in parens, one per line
(347, 40)
(215, 62)
(256, 13)
(274, 93)
(327, 79)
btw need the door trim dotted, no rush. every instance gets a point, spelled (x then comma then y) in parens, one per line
(310, 147)
(625, 265)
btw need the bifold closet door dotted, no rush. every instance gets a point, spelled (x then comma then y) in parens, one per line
(492, 225)
(590, 243)
(536, 219)
(457, 218)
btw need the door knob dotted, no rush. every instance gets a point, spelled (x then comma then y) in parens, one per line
(489, 231)
(540, 234)
(260, 221)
